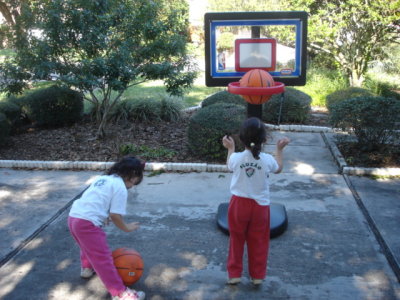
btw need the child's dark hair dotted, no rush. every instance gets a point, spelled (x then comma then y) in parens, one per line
(253, 134)
(127, 168)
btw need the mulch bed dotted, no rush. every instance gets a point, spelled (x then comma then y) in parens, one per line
(78, 143)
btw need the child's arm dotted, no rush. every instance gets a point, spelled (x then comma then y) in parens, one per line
(229, 144)
(119, 222)
(279, 153)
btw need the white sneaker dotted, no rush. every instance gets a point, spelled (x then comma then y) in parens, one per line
(233, 280)
(129, 294)
(256, 281)
(87, 273)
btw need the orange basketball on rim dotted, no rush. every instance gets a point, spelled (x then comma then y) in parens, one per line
(257, 78)
(129, 265)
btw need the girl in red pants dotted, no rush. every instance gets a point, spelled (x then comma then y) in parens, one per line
(105, 198)
(248, 213)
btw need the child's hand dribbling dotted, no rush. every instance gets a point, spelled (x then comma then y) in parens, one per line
(132, 226)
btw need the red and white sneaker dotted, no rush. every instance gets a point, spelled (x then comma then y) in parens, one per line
(129, 294)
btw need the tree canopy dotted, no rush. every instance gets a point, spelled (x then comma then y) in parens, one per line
(351, 32)
(100, 47)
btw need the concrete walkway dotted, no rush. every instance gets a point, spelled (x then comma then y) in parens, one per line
(342, 241)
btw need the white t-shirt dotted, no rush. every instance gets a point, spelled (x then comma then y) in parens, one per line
(107, 194)
(250, 176)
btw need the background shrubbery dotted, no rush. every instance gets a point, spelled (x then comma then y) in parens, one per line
(149, 109)
(53, 106)
(295, 107)
(344, 94)
(223, 97)
(209, 124)
(373, 120)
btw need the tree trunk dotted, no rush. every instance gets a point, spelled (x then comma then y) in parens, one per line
(356, 79)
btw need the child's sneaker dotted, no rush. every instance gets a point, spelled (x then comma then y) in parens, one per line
(233, 280)
(129, 294)
(256, 281)
(87, 273)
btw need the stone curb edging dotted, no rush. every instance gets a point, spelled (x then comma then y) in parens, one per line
(102, 166)
(358, 171)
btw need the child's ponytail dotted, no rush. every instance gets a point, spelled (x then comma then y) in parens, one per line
(253, 134)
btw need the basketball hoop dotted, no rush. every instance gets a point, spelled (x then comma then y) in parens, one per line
(235, 88)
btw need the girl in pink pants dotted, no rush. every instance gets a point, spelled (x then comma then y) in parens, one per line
(105, 198)
(248, 212)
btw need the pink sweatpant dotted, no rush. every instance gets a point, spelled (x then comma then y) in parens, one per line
(249, 223)
(95, 253)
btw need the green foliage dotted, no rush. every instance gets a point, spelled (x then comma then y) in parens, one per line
(102, 46)
(342, 95)
(146, 152)
(5, 128)
(170, 109)
(209, 124)
(223, 97)
(295, 107)
(322, 81)
(382, 88)
(226, 42)
(352, 33)
(54, 106)
(373, 120)
(11, 110)
(150, 109)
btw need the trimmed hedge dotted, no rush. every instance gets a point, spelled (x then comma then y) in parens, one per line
(11, 110)
(54, 106)
(296, 106)
(208, 126)
(223, 97)
(5, 128)
(341, 95)
(373, 120)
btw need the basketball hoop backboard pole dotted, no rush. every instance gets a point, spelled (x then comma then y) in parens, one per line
(254, 110)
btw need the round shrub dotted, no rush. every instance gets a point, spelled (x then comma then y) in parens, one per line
(54, 106)
(209, 124)
(5, 128)
(149, 109)
(295, 107)
(223, 97)
(373, 120)
(345, 94)
(11, 110)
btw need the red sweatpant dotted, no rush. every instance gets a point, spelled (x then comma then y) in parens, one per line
(95, 253)
(249, 223)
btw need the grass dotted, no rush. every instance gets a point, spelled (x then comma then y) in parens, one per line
(320, 83)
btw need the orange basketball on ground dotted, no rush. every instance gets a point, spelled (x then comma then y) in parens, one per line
(129, 265)
(257, 78)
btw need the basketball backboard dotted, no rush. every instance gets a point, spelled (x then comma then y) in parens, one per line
(236, 42)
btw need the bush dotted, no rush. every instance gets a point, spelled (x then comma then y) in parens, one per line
(11, 110)
(150, 109)
(209, 124)
(170, 109)
(54, 106)
(381, 88)
(223, 97)
(295, 107)
(5, 128)
(341, 95)
(373, 120)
